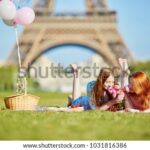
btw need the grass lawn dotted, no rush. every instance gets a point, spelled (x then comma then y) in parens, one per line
(91, 125)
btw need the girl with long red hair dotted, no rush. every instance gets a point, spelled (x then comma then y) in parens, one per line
(137, 89)
(98, 95)
(138, 97)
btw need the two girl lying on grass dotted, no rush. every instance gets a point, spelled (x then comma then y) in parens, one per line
(133, 94)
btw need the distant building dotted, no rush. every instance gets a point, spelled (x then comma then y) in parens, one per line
(47, 80)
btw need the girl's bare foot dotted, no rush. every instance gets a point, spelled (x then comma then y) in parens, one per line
(69, 100)
(74, 68)
(124, 66)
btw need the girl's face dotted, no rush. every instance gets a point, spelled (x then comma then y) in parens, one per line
(132, 87)
(109, 82)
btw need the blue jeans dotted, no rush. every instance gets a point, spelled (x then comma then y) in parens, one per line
(83, 101)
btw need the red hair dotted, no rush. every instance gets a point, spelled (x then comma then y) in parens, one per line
(98, 89)
(141, 86)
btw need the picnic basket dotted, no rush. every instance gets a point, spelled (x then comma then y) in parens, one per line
(22, 101)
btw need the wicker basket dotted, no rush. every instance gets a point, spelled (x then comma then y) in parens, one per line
(21, 102)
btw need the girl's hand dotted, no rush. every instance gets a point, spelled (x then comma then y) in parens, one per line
(126, 89)
(117, 87)
(121, 96)
(116, 101)
(112, 91)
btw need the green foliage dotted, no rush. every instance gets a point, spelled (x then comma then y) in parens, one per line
(7, 76)
(142, 66)
(8, 79)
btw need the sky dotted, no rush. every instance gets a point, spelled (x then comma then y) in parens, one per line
(133, 24)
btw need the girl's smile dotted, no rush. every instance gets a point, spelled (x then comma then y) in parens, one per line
(109, 82)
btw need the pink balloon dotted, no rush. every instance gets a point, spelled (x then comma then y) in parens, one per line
(25, 16)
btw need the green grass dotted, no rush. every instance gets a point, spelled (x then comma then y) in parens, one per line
(91, 125)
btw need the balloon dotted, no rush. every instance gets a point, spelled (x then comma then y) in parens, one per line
(7, 10)
(9, 22)
(25, 16)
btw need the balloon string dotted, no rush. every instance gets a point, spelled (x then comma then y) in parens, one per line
(18, 47)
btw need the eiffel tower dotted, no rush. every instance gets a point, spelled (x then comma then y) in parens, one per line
(95, 29)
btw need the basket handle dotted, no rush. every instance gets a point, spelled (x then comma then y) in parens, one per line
(25, 83)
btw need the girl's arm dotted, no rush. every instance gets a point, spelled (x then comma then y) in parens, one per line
(136, 110)
(108, 105)
(147, 111)
(132, 110)
(128, 104)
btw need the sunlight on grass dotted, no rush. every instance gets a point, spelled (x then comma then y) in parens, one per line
(91, 125)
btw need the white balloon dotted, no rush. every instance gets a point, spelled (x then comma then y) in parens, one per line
(7, 10)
